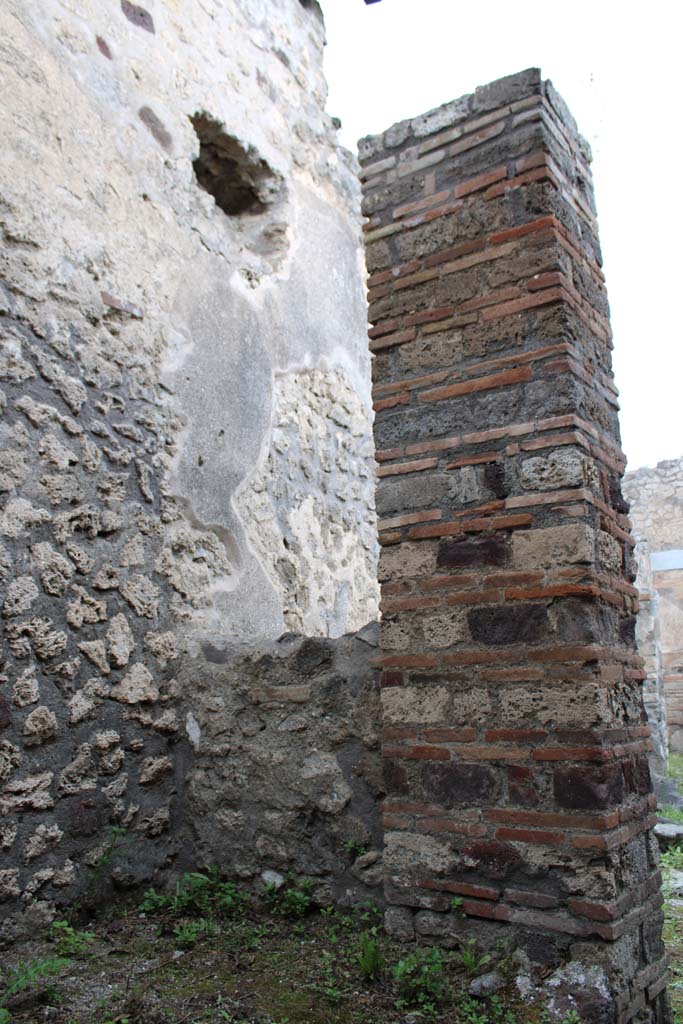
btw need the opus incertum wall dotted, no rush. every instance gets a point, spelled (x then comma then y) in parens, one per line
(515, 745)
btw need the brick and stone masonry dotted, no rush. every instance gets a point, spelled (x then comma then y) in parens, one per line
(515, 745)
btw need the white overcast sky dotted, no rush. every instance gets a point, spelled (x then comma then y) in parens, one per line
(617, 64)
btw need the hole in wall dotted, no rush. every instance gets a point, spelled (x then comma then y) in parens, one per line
(239, 180)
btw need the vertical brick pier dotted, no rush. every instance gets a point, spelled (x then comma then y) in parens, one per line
(515, 743)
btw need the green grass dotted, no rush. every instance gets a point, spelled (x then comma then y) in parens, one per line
(676, 768)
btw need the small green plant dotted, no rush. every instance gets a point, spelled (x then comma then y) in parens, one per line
(671, 813)
(25, 976)
(197, 893)
(471, 960)
(571, 1017)
(354, 848)
(368, 955)
(293, 899)
(457, 904)
(68, 940)
(673, 858)
(421, 979)
(188, 934)
(492, 1011)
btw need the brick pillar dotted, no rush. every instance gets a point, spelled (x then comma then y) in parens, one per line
(515, 743)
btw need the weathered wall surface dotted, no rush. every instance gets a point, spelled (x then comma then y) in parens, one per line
(656, 499)
(515, 747)
(184, 382)
(287, 771)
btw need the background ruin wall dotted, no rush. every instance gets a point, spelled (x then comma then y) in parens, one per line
(514, 737)
(186, 466)
(656, 499)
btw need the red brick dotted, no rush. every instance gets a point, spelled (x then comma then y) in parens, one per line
(389, 453)
(532, 227)
(549, 497)
(385, 327)
(496, 380)
(393, 589)
(566, 590)
(389, 340)
(438, 530)
(473, 597)
(454, 252)
(525, 302)
(476, 139)
(570, 653)
(389, 403)
(396, 821)
(594, 911)
(553, 819)
(419, 753)
(547, 280)
(407, 467)
(572, 754)
(502, 295)
(409, 519)
(478, 892)
(391, 538)
(492, 911)
(525, 835)
(480, 181)
(434, 199)
(399, 733)
(478, 657)
(493, 753)
(448, 582)
(538, 900)
(514, 735)
(505, 675)
(409, 661)
(539, 174)
(474, 460)
(429, 316)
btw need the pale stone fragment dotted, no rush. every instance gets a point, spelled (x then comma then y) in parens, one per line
(96, 652)
(54, 570)
(45, 838)
(136, 686)
(10, 757)
(9, 883)
(120, 641)
(19, 516)
(84, 609)
(162, 645)
(39, 727)
(79, 774)
(30, 793)
(142, 595)
(21, 593)
(154, 768)
(26, 690)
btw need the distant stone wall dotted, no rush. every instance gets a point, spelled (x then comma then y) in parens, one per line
(656, 499)
(186, 450)
(514, 740)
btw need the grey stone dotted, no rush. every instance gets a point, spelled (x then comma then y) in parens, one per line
(486, 984)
